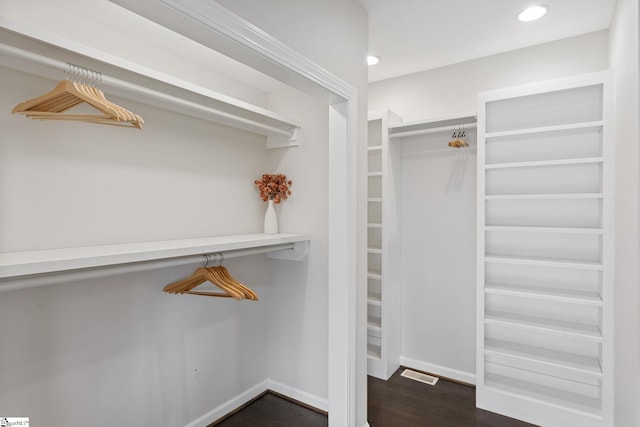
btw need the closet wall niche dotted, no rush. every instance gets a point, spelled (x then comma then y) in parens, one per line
(421, 231)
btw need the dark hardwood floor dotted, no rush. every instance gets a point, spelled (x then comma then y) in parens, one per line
(404, 402)
(393, 403)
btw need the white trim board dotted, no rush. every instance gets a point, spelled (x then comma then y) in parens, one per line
(439, 370)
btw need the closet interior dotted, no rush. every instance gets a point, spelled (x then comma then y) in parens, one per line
(146, 196)
(507, 236)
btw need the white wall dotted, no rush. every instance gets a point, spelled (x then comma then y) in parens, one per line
(438, 255)
(86, 351)
(441, 338)
(624, 62)
(453, 89)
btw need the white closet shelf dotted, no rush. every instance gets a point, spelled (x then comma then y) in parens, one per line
(545, 294)
(374, 225)
(376, 276)
(544, 196)
(374, 148)
(541, 163)
(436, 124)
(16, 264)
(374, 298)
(374, 173)
(190, 99)
(548, 262)
(374, 324)
(558, 327)
(374, 250)
(373, 351)
(523, 354)
(546, 129)
(545, 395)
(374, 199)
(534, 229)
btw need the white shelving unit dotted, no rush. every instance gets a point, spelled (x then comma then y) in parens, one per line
(545, 252)
(383, 247)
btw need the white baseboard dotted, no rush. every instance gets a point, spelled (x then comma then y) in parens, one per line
(439, 370)
(246, 396)
(230, 405)
(299, 395)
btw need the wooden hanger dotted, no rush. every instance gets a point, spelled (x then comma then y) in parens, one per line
(458, 141)
(218, 276)
(67, 94)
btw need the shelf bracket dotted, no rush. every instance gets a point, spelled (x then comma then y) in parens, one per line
(298, 253)
(279, 141)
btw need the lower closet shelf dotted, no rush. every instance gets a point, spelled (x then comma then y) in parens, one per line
(15, 266)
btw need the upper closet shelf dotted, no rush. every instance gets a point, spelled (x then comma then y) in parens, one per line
(31, 50)
(143, 256)
(438, 124)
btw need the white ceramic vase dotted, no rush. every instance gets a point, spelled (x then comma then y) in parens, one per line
(271, 219)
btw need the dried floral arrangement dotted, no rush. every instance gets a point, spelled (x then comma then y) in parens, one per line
(273, 187)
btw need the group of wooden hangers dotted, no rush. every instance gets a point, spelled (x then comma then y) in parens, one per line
(457, 140)
(218, 276)
(68, 94)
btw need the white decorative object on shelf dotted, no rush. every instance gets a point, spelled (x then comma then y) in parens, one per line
(544, 254)
(270, 219)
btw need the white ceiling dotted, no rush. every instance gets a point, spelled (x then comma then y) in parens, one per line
(416, 35)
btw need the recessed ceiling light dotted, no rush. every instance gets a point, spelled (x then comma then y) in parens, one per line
(372, 59)
(532, 13)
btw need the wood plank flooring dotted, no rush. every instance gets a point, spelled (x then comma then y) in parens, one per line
(394, 403)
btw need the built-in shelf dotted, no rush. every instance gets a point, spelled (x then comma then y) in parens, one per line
(436, 124)
(374, 250)
(375, 148)
(374, 298)
(376, 276)
(548, 262)
(374, 225)
(16, 264)
(564, 196)
(374, 323)
(523, 355)
(541, 163)
(544, 294)
(544, 129)
(545, 184)
(533, 229)
(375, 199)
(559, 327)
(550, 396)
(373, 351)
(374, 174)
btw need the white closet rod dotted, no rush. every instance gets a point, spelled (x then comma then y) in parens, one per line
(432, 130)
(23, 282)
(141, 90)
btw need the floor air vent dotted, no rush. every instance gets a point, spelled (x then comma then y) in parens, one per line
(418, 376)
